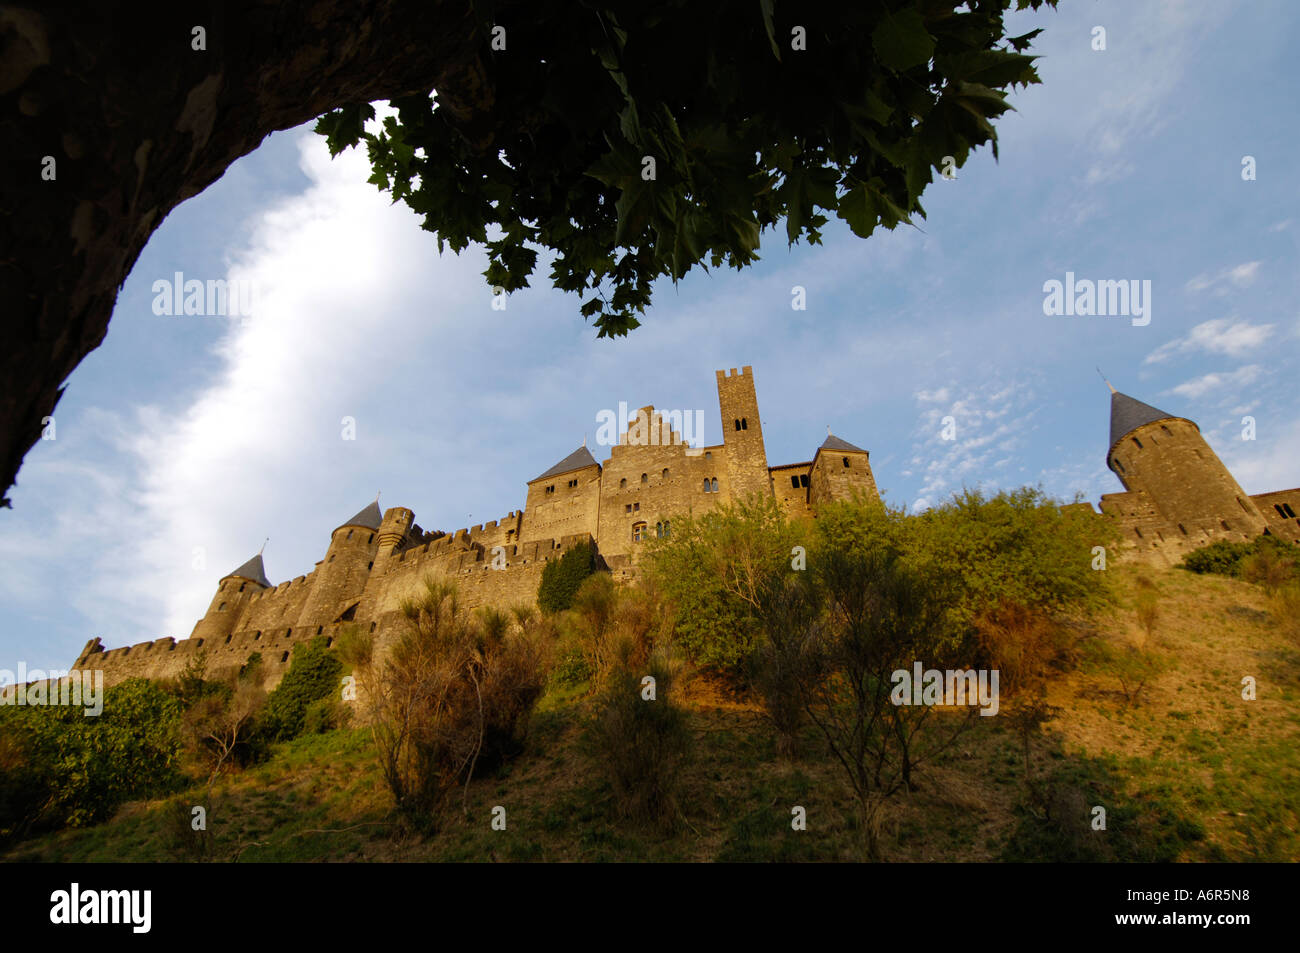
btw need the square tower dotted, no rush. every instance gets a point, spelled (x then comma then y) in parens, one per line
(742, 433)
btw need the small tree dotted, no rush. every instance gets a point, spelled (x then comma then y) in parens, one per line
(561, 578)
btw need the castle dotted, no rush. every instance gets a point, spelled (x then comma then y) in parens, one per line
(1179, 496)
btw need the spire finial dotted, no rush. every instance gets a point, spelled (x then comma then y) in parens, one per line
(1103, 377)
(377, 492)
(264, 542)
(828, 431)
(584, 439)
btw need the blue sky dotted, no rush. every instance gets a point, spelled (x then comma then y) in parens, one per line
(183, 442)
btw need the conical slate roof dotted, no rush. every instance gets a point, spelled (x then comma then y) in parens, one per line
(254, 571)
(575, 461)
(1127, 415)
(370, 518)
(833, 442)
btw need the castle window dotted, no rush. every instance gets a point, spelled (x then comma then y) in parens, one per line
(636, 507)
(715, 484)
(1166, 430)
(371, 539)
(706, 484)
(659, 530)
(228, 638)
(371, 565)
(667, 529)
(1224, 524)
(846, 461)
(1289, 512)
(638, 532)
(744, 423)
(1280, 512)
(284, 658)
(372, 626)
(664, 475)
(242, 585)
(1242, 505)
(622, 484)
(320, 629)
(221, 608)
(1137, 442)
(1119, 466)
(257, 635)
(708, 454)
(349, 536)
(1138, 531)
(288, 632)
(803, 479)
(794, 481)
(1182, 529)
(737, 423)
(645, 478)
(572, 483)
(627, 507)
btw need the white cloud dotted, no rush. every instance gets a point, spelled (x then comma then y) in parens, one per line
(1226, 336)
(1207, 383)
(1239, 276)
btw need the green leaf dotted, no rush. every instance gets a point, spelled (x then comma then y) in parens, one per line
(902, 42)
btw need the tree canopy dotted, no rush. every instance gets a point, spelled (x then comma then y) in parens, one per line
(636, 141)
(630, 140)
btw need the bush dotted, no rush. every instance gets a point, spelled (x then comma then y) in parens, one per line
(59, 766)
(314, 673)
(325, 714)
(451, 701)
(714, 570)
(1265, 561)
(561, 578)
(641, 747)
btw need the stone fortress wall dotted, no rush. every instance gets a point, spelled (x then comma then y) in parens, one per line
(1178, 496)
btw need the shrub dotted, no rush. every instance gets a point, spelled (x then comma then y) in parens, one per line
(314, 673)
(325, 714)
(641, 747)
(1222, 557)
(714, 570)
(561, 578)
(452, 700)
(59, 766)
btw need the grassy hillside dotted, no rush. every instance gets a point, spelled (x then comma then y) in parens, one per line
(1184, 767)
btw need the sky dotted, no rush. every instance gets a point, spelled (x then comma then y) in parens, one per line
(185, 442)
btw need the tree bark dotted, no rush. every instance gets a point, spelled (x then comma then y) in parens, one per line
(137, 120)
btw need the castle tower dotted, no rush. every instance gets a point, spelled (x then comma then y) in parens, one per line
(839, 470)
(392, 535)
(233, 593)
(742, 433)
(1166, 459)
(341, 576)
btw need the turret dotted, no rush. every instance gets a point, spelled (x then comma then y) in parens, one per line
(392, 535)
(839, 470)
(340, 577)
(233, 593)
(1165, 458)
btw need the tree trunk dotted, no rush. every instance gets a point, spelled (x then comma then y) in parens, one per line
(137, 120)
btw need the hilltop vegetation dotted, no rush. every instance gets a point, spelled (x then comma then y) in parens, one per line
(737, 704)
